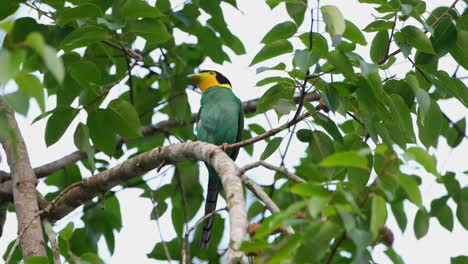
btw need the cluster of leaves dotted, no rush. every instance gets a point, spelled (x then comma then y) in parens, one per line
(75, 53)
(351, 183)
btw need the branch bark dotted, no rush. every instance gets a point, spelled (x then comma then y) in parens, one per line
(90, 187)
(23, 188)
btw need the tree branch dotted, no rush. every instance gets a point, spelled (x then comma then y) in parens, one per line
(24, 189)
(90, 187)
(267, 165)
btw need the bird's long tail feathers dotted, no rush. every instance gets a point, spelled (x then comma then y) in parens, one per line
(214, 187)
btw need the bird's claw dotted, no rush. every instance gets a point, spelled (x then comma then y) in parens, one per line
(224, 146)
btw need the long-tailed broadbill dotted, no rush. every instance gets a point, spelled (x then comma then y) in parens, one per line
(220, 121)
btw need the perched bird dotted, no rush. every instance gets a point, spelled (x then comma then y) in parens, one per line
(220, 121)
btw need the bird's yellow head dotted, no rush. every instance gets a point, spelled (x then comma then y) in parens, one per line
(207, 79)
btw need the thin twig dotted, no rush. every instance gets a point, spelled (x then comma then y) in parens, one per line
(267, 165)
(334, 248)
(185, 248)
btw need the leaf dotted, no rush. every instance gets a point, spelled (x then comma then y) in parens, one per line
(444, 37)
(36, 260)
(417, 39)
(271, 147)
(101, 132)
(393, 256)
(272, 95)
(410, 185)
(86, 10)
(309, 189)
(400, 215)
(133, 9)
(328, 124)
(421, 224)
(462, 208)
(31, 85)
(7, 8)
(81, 140)
(83, 36)
(297, 11)
(58, 123)
(10, 65)
(153, 30)
(85, 73)
(280, 31)
(378, 214)
(67, 231)
(305, 59)
(379, 46)
(458, 51)
(319, 43)
(212, 45)
(345, 159)
(342, 64)
(18, 101)
(459, 260)
(422, 157)
(442, 212)
(430, 128)
(354, 34)
(378, 25)
(124, 118)
(272, 50)
(54, 64)
(90, 258)
(334, 20)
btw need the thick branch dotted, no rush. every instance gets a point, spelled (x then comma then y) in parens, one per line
(24, 189)
(90, 187)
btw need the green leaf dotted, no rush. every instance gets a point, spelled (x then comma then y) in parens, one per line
(67, 231)
(81, 140)
(410, 185)
(101, 132)
(68, 15)
(297, 11)
(153, 30)
(378, 25)
(378, 214)
(417, 39)
(133, 9)
(442, 212)
(430, 128)
(354, 34)
(305, 59)
(31, 85)
(309, 189)
(393, 256)
(54, 63)
(458, 51)
(328, 124)
(379, 46)
(400, 215)
(36, 260)
(85, 73)
(452, 86)
(18, 101)
(89, 258)
(272, 50)
(462, 208)
(212, 45)
(84, 36)
(58, 123)
(48, 54)
(345, 159)
(271, 147)
(281, 31)
(124, 118)
(319, 43)
(7, 8)
(10, 65)
(334, 20)
(444, 37)
(421, 223)
(320, 144)
(342, 64)
(459, 260)
(422, 157)
(272, 95)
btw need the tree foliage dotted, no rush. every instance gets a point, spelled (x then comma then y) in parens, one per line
(79, 52)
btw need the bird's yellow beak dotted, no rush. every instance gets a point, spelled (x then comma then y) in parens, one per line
(195, 78)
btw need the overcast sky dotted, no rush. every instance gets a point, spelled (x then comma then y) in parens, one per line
(250, 24)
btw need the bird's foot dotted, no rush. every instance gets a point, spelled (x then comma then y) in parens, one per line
(224, 146)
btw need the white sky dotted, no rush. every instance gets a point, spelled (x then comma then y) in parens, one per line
(250, 25)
